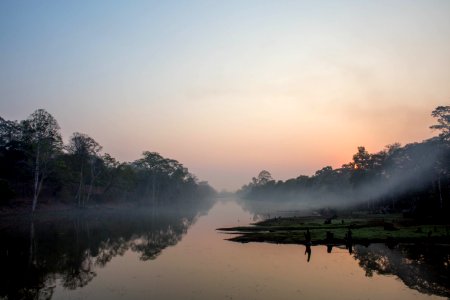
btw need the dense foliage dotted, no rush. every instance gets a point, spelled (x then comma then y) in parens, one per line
(415, 177)
(34, 164)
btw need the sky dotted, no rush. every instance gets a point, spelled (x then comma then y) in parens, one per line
(229, 88)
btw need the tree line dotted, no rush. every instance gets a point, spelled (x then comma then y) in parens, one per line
(36, 165)
(414, 178)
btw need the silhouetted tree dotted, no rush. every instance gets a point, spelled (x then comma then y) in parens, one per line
(41, 131)
(263, 178)
(86, 152)
(442, 114)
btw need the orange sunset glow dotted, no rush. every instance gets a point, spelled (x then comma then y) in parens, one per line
(234, 149)
(285, 86)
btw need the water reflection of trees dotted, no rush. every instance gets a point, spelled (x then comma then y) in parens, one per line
(425, 268)
(37, 255)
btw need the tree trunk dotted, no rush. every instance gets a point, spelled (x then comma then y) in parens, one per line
(40, 185)
(441, 202)
(79, 193)
(90, 188)
(93, 176)
(153, 189)
(89, 194)
(36, 180)
(31, 253)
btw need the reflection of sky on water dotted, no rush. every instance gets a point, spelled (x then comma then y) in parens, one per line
(205, 266)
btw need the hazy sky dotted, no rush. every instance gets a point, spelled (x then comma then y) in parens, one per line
(230, 87)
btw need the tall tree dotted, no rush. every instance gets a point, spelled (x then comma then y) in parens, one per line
(10, 131)
(442, 114)
(86, 153)
(263, 178)
(12, 160)
(362, 159)
(153, 164)
(41, 131)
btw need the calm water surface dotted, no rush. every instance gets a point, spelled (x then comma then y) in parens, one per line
(181, 256)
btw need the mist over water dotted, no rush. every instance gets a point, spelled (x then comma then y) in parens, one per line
(172, 253)
(383, 178)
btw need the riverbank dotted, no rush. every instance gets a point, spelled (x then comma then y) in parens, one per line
(360, 229)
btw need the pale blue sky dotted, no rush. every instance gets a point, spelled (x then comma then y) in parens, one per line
(229, 87)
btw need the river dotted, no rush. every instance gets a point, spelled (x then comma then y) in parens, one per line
(182, 256)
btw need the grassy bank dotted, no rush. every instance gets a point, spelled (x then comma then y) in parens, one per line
(364, 228)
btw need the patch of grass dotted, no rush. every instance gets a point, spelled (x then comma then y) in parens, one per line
(365, 229)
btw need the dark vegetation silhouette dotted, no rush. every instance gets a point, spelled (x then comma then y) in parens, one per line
(414, 178)
(36, 167)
